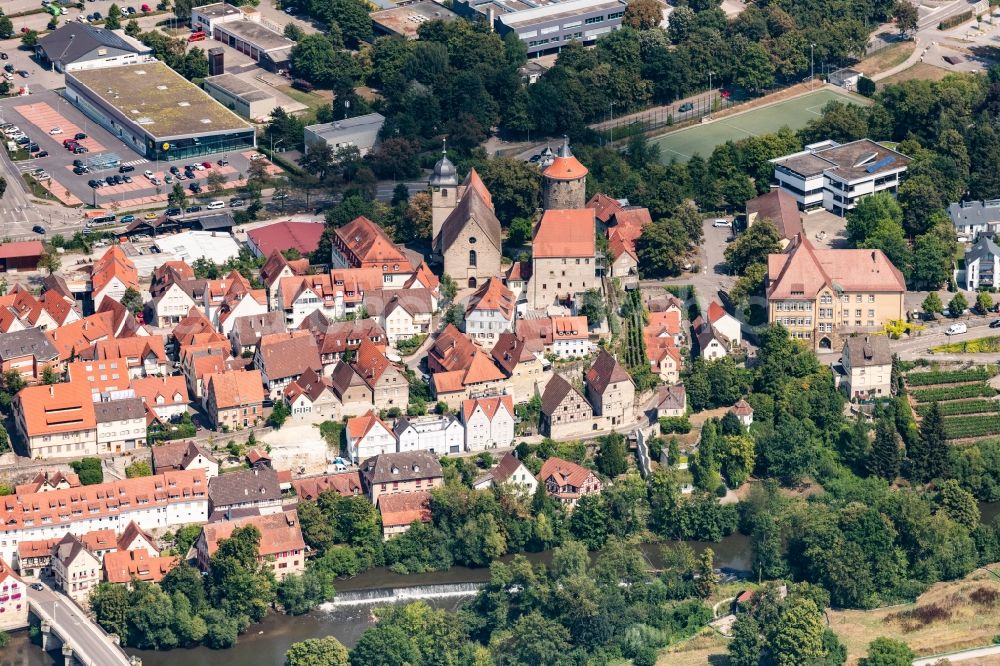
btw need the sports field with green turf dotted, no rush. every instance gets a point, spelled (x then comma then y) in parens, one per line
(794, 113)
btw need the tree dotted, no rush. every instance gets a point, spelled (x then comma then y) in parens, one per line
(796, 639)
(89, 470)
(753, 246)
(29, 39)
(905, 15)
(448, 288)
(661, 249)
(613, 457)
(137, 469)
(887, 652)
(959, 504)
(6, 27)
(984, 302)
(534, 639)
(514, 185)
(132, 300)
(326, 651)
(384, 645)
(707, 580)
(317, 60)
(215, 181)
(589, 521)
(593, 307)
(132, 28)
(932, 261)
(957, 305)
(932, 305)
(294, 32)
(885, 455)
(870, 213)
(279, 414)
(519, 231)
(49, 260)
(455, 315)
(50, 376)
(177, 196)
(643, 14)
(114, 18)
(928, 455)
(745, 646)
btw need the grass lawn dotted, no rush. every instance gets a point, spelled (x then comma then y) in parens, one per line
(919, 71)
(794, 113)
(310, 99)
(705, 647)
(886, 58)
(963, 623)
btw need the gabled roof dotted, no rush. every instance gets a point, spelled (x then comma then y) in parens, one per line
(370, 362)
(358, 427)
(195, 322)
(78, 336)
(344, 377)
(519, 271)
(178, 455)
(509, 351)
(139, 348)
(490, 406)
(289, 354)
(503, 470)
(302, 236)
(253, 327)
(382, 302)
(475, 208)
(400, 467)
(865, 351)
(346, 484)
(48, 481)
(311, 384)
(604, 207)
(716, 312)
(371, 246)
(256, 485)
(56, 408)
(492, 295)
(405, 508)
(58, 306)
(111, 411)
(275, 265)
(605, 371)
(555, 393)
(338, 337)
(235, 388)
(671, 397)
(803, 271)
(72, 41)
(564, 472)
(114, 264)
(565, 233)
(424, 278)
(570, 328)
(124, 565)
(778, 206)
(161, 391)
(29, 342)
(279, 532)
(983, 248)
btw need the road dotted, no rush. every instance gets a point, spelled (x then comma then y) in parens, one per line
(916, 347)
(87, 638)
(927, 34)
(964, 655)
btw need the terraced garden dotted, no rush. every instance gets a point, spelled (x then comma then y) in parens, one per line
(963, 398)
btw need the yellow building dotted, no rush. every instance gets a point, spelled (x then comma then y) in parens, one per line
(820, 296)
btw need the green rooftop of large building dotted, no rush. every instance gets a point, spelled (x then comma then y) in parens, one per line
(158, 99)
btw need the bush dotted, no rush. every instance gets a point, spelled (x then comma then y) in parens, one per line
(89, 470)
(957, 19)
(137, 469)
(675, 424)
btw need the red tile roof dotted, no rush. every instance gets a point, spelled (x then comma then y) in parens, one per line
(803, 271)
(405, 508)
(302, 236)
(604, 207)
(235, 388)
(565, 233)
(22, 249)
(124, 565)
(114, 263)
(347, 484)
(367, 245)
(490, 406)
(279, 532)
(75, 338)
(492, 295)
(564, 472)
(57, 408)
(360, 426)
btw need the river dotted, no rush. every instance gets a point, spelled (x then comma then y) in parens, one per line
(351, 612)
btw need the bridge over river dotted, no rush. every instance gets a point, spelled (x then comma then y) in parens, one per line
(82, 640)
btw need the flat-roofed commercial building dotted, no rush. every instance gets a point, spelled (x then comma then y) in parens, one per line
(545, 26)
(360, 132)
(404, 20)
(154, 110)
(240, 96)
(244, 29)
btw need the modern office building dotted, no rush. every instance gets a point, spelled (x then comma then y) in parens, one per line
(157, 112)
(546, 25)
(835, 176)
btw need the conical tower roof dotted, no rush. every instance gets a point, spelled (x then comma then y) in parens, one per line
(565, 166)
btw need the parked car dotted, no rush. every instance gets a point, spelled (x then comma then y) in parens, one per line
(79, 150)
(236, 203)
(215, 205)
(195, 188)
(223, 162)
(42, 153)
(127, 219)
(80, 170)
(8, 68)
(38, 229)
(148, 174)
(126, 168)
(957, 329)
(150, 216)
(174, 169)
(110, 180)
(23, 140)
(207, 165)
(118, 179)
(127, 179)
(685, 107)
(23, 73)
(192, 209)
(172, 211)
(3, 56)
(168, 179)
(720, 222)
(995, 323)
(79, 136)
(33, 148)
(55, 130)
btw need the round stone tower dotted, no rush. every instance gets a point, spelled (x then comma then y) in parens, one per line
(564, 181)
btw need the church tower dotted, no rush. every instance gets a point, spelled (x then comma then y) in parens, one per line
(564, 181)
(444, 194)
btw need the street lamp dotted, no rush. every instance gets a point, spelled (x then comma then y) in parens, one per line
(612, 122)
(710, 95)
(812, 65)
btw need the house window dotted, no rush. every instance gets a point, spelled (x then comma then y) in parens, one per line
(472, 257)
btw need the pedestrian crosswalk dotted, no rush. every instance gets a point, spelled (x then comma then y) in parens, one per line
(141, 160)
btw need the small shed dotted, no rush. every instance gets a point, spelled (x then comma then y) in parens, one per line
(846, 77)
(22, 256)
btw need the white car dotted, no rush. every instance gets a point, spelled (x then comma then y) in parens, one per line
(215, 205)
(55, 130)
(719, 222)
(148, 174)
(199, 167)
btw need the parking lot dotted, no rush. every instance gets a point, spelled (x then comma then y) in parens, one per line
(39, 114)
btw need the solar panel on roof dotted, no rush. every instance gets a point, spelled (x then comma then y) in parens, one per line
(881, 164)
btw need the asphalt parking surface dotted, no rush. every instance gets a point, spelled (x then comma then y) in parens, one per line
(49, 108)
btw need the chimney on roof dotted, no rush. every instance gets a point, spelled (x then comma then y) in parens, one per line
(52, 391)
